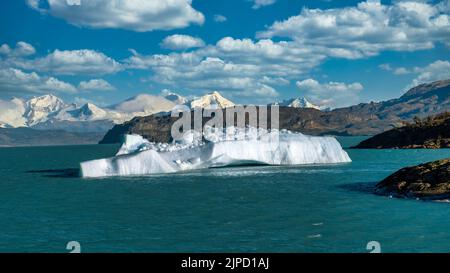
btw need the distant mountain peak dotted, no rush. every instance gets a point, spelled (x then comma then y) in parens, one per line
(46, 101)
(212, 100)
(298, 103)
(38, 109)
(90, 109)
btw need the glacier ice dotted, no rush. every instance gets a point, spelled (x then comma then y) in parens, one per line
(216, 148)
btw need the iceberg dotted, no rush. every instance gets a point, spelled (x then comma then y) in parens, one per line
(216, 148)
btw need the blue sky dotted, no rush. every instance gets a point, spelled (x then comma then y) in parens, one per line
(335, 53)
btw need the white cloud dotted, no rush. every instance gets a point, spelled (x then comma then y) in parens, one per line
(136, 15)
(261, 3)
(15, 81)
(60, 62)
(218, 18)
(261, 90)
(277, 58)
(195, 72)
(242, 65)
(275, 81)
(401, 71)
(22, 49)
(232, 65)
(395, 70)
(438, 70)
(386, 67)
(73, 62)
(367, 29)
(12, 112)
(331, 94)
(177, 41)
(95, 85)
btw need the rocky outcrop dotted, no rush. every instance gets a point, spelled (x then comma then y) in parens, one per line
(427, 181)
(428, 133)
(362, 119)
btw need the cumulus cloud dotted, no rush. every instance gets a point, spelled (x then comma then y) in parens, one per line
(438, 70)
(261, 3)
(73, 62)
(193, 71)
(177, 41)
(218, 18)
(135, 15)
(12, 112)
(260, 91)
(95, 85)
(367, 29)
(332, 94)
(22, 49)
(15, 81)
(234, 65)
(401, 71)
(386, 67)
(59, 62)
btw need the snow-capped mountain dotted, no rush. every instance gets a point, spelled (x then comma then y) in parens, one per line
(40, 109)
(213, 100)
(51, 112)
(298, 103)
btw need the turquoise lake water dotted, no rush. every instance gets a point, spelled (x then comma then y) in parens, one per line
(329, 208)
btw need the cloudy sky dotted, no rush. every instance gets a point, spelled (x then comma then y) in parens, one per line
(335, 53)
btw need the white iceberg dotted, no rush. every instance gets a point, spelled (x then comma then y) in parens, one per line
(232, 147)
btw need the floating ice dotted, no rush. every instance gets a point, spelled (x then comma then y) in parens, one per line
(217, 148)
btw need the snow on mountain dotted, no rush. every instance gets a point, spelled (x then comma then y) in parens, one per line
(213, 100)
(49, 111)
(40, 109)
(298, 103)
(87, 112)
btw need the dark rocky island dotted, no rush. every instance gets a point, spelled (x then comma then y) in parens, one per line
(428, 133)
(362, 119)
(429, 181)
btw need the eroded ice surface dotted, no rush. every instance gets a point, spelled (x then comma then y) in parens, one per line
(231, 147)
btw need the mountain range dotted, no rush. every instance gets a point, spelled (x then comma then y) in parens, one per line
(362, 119)
(139, 115)
(49, 112)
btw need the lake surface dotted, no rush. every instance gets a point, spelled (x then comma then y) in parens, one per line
(328, 208)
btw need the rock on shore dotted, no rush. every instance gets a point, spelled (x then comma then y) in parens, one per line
(429, 181)
(428, 133)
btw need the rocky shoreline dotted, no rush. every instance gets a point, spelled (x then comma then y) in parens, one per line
(427, 133)
(428, 181)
